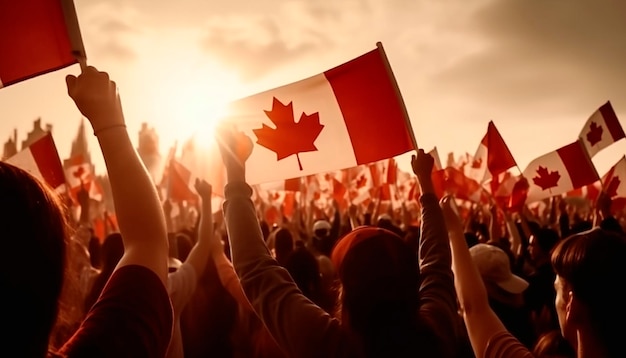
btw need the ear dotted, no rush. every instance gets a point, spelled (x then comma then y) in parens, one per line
(576, 311)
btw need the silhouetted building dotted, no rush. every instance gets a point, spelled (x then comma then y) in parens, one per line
(10, 146)
(79, 144)
(148, 151)
(36, 133)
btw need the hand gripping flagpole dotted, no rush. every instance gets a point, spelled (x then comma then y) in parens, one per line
(73, 32)
(394, 83)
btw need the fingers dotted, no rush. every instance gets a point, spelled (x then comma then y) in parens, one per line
(70, 81)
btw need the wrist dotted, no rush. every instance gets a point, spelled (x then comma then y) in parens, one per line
(116, 126)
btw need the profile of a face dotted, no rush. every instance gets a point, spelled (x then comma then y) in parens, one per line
(563, 303)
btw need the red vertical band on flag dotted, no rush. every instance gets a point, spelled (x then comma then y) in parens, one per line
(371, 109)
(34, 39)
(499, 157)
(612, 123)
(45, 153)
(579, 167)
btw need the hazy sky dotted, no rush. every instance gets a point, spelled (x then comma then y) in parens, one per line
(537, 68)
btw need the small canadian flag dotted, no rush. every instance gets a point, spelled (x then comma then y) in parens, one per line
(614, 181)
(558, 172)
(601, 130)
(41, 160)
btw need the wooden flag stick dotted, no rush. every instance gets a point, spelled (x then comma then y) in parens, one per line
(409, 126)
(73, 31)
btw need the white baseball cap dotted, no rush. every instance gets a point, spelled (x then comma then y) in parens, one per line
(494, 266)
(321, 225)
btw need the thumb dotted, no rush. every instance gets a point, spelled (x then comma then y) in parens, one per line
(70, 80)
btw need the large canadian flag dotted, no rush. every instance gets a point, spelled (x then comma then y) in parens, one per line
(601, 130)
(614, 181)
(492, 157)
(41, 160)
(37, 37)
(350, 115)
(559, 172)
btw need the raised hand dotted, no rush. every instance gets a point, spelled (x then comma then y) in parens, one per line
(422, 165)
(97, 98)
(204, 189)
(451, 214)
(235, 148)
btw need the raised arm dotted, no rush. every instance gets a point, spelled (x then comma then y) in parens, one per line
(437, 293)
(300, 327)
(481, 322)
(199, 254)
(137, 205)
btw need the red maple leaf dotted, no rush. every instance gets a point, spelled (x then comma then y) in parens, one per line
(546, 179)
(78, 173)
(361, 181)
(476, 164)
(289, 137)
(611, 189)
(595, 133)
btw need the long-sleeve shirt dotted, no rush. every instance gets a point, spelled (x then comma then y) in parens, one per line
(303, 329)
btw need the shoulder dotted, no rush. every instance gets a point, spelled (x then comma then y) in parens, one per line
(503, 344)
(133, 313)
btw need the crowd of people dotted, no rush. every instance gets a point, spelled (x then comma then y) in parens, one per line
(461, 281)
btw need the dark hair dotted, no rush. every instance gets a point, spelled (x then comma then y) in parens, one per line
(304, 269)
(34, 228)
(112, 252)
(379, 300)
(546, 239)
(184, 244)
(593, 264)
(553, 345)
(283, 244)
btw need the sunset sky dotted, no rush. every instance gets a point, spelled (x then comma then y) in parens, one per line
(538, 69)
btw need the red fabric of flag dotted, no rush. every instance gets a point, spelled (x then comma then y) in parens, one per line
(36, 39)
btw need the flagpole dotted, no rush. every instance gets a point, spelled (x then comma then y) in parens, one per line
(394, 83)
(73, 31)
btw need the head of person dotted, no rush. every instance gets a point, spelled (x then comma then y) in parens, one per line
(321, 229)
(322, 241)
(590, 268)
(112, 252)
(303, 268)
(34, 230)
(552, 345)
(540, 245)
(378, 290)
(494, 267)
(283, 244)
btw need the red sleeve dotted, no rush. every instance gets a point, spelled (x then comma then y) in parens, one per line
(132, 318)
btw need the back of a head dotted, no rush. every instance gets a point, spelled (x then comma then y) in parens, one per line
(283, 244)
(593, 264)
(303, 268)
(34, 230)
(112, 252)
(379, 290)
(184, 244)
(552, 345)
(546, 239)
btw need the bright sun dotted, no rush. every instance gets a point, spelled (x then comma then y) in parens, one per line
(189, 99)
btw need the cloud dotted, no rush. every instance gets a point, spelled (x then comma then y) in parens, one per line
(258, 43)
(109, 31)
(558, 56)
